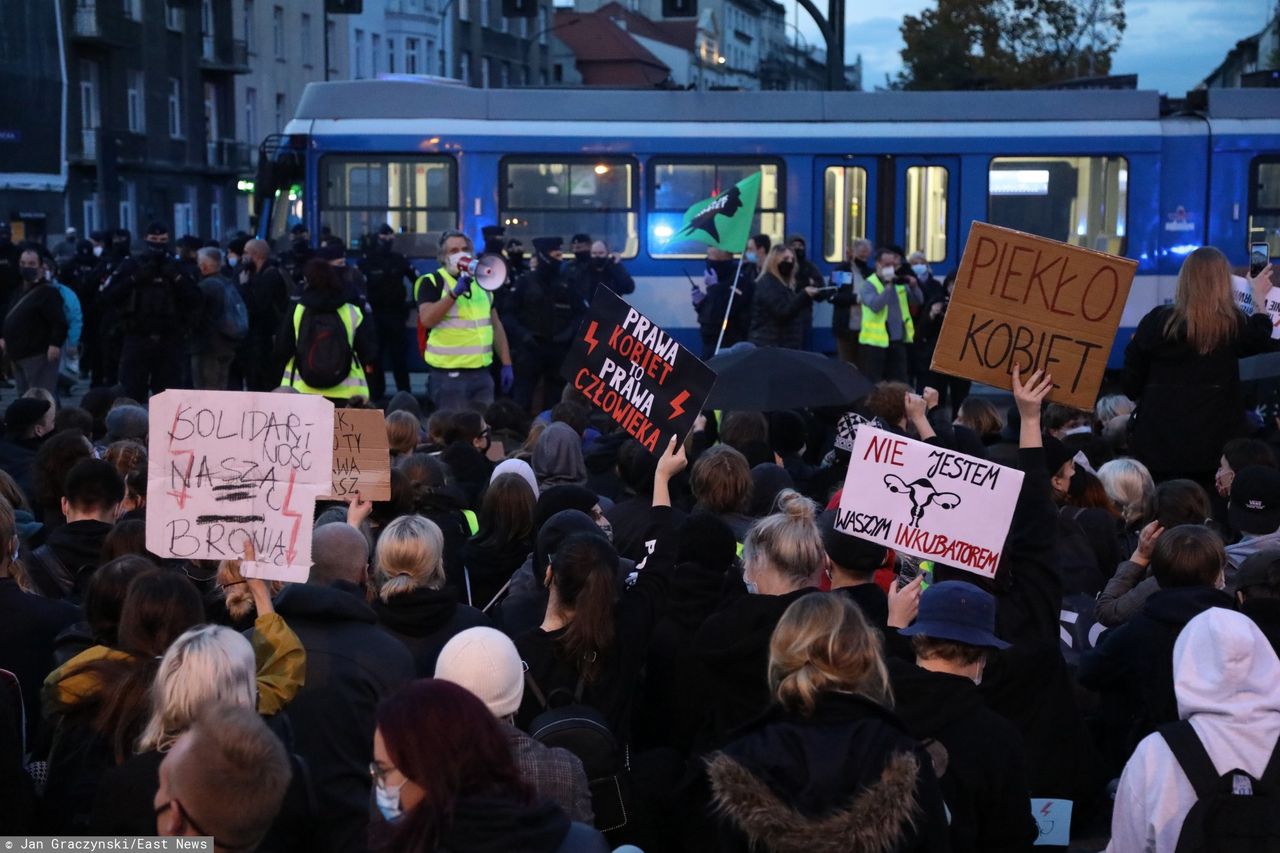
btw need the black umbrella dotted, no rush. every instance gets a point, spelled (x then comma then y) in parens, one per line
(1259, 367)
(769, 379)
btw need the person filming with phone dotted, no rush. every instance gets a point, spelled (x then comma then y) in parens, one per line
(887, 328)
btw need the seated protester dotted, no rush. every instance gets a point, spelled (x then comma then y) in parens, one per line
(351, 665)
(466, 440)
(404, 431)
(768, 481)
(54, 460)
(1238, 454)
(503, 542)
(782, 558)
(1132, 491)
(225, 777)
(789, 435)
(593, 642)
(629, 516)
(27, 423)
(103, 599)
(30, 532)
(486, 663)
(851, 566)
(445, 779)
(29, 625)
(721, 484)
(828, 767)
(1227, 682)
(1258, 592)
(508, 424)
(557, 457)
(980, 416)
(1076, 559)
(437, 497)
(1089, 506)
(1133, 661)
(63, 565)
(977, 753)
(413, 604)
(520, 467)
(1254, 511)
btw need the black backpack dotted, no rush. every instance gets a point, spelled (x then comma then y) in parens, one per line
(582, 730)
(322, 355)
(1233, 811)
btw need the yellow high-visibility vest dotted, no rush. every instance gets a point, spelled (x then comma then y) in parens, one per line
(875, 330)
(463, 339)
(355, 385)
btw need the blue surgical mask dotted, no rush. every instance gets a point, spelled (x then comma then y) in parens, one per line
(751, 257)
(388, 799)
(920, 270)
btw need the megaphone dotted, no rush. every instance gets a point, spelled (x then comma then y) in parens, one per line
(488, 271)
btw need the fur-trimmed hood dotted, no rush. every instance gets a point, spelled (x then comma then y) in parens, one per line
(876, 820)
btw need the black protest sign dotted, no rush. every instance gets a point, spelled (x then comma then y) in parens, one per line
(636, 373)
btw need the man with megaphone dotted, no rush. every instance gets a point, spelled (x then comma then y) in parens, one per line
(458, 328)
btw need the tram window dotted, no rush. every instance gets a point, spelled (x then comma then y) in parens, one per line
(1264, 203)
(1077, 200)
(596, 196)
(414, 195)
(845, 210)
(927, 212)
(675, 186)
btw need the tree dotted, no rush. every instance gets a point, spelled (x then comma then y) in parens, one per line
(1009, 44)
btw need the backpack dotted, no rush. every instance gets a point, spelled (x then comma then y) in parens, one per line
(322, 355)
(582, 730)
(1233, 811)
(152, 306)
(233, 322)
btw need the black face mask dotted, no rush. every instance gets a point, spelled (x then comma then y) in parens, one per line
(384, 246)
(30, 274)
(515, 255)
(799, 253)
(599, 263)
(158, 247)
(786, 268)
(300, 246)
(582, 256)
(551, 265)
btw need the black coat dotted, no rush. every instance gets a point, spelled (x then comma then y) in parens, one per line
(1265, 613)
(365, 344)
(711, 311)
(35, 322)
(489, 564)
(28, 626)
(542, 308)
(985, 776)
(424, 620)
(352, 665)
(1189, 404)
(780, 316)
(845, 778)
(266, 296)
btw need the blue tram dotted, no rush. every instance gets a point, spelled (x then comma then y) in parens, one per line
(1118, 171)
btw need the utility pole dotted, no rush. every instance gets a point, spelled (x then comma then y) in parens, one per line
(831, 26)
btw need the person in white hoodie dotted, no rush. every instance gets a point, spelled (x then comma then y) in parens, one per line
(1227, 682)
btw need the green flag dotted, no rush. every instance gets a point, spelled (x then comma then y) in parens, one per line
(724, 220)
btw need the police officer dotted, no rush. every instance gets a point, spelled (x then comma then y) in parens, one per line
(158, 304)
(459, 331)
(542, 313)
(265, 290)
(388, 277)
(602, 268)
(887, 329)
(106, 341)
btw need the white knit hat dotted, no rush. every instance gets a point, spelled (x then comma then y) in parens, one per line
(486, 662)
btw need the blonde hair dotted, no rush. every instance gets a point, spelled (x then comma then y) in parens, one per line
(410, 555)
(771, 261)
(402, 432)
(1112, 406)
(1204, 306)
(1131, 488)
(823, 644)
(205, 665)
(787, 542)
(979, 415)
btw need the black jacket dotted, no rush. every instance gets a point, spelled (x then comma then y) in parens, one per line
(711, 310)
(845, 778)
(587, 276)
(424, 620)
(543, 308)
(1265, 613)
(352, 665)
(266, 295)
(35, 322)
(871, 600)
(490, 564)
(780, 316)
(286, 343)
(152, 295)
(500, 825)
(78, 544)
(845, 300)
(977, 754)
(28, 626)
(1188, 404)
(385, 274)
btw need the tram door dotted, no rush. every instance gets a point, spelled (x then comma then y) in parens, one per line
(926, 209)
(844, 208)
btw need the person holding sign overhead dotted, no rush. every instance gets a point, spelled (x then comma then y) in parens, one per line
(1182, 367)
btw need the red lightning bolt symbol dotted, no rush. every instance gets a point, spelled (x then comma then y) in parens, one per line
(1045, 811)
(292, 550)
(181, 496)
(677, 405)
(590, 336)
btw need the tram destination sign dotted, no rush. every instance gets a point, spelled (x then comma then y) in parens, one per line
(1037, 303)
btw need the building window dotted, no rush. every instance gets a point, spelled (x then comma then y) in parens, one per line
(544, 18)
(173, 15)
(90, 107)
(539, 197)
(417, 196)
(250, 36)
(464, 10)
(676, 185)
(128, 206)
(175, 108)
(89, 212)
(486, 69)
(183, 219)
(504, 78)
(251, 116)
(464, 67)
(375, 52)
(431, 52)
(277, 31)
(206, 29)
(411, 56)
(281, 116)
(215, 215)
(357, 59)
(484, 13)
(305, 38)
(1077, 200)
(391, 55)
(136, 101)
(844, 204)
(927, 212)
(133, 9)
(330, 29)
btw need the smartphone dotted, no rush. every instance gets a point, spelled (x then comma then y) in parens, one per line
(827, 289)
(1259, 257)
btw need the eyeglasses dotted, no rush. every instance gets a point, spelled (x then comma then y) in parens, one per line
(186, 817)
(379, 774)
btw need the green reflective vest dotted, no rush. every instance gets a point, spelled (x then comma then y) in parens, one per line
(355, 385)
(875, 331)
(464, 338)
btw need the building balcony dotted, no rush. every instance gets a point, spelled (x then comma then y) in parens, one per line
(225, 56)
(228, 155)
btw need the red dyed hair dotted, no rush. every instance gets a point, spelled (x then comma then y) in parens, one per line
(445, 739)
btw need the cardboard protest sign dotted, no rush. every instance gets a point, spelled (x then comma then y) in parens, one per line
(924, 500)
(226, 467)
(636, 373)
(1036, 303)
(1244, 298)
(361, 455)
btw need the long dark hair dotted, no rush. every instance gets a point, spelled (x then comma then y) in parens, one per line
(582, 573)
(159, 606)
(428, 482)
(506, 512)
(54, 460)
(445, 740)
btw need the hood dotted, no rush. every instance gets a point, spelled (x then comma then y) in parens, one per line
(340, 602)
(557, 457)
(1176, 607)
(518, 467)
(318, 300)
(927, 702)
(27, 524)
(419, 613)
(696, 592)
(493, 825)
(733, 640)
(79, 543)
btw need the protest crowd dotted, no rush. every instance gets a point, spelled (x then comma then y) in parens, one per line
(553, 636)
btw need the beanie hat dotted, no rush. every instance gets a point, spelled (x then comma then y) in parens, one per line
(706, 540)
(127, 422)
(485, 661)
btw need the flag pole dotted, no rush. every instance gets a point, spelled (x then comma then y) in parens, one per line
(724, 324)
